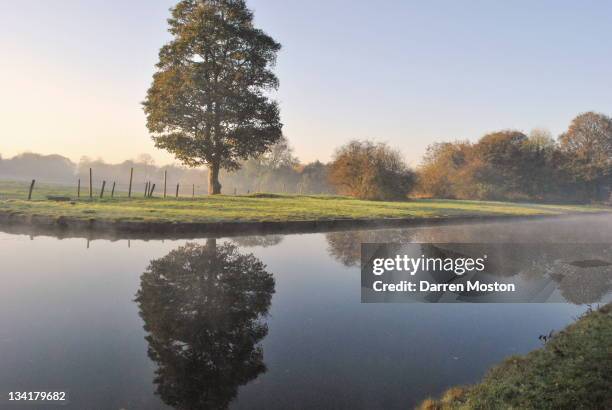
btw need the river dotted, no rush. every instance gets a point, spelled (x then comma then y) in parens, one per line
(256, 322)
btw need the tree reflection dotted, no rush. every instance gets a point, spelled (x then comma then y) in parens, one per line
(583, 285)
(258, 240)
(345, 247)
(582, 271)
(203, 309)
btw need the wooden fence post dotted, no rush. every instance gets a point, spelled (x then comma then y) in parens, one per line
(79, 188)
(146, 189)
(31, 189)
(151, 192)
(102, 190)
(193, 191)
(130, 188)
(90, 184)
(234, 191)
(177, 189)
(113, 191)
(165, 181)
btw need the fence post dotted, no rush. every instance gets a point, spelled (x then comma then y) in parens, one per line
(79, 188)
(177, 189)
(146, 189)
(113, 191)
(102, 190)
(165, 181)
(130, 188)
(151, 192)
(90, 184)
(234, 191)
(193, 191)
(31, 189)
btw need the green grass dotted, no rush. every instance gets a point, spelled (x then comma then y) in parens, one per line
(572, 371)
(255, 207)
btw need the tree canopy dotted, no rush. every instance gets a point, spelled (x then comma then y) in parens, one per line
(370, 171)
(588, 147)
(511, 165)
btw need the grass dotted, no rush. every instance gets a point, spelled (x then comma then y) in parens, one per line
(572, 371)
(255, 207)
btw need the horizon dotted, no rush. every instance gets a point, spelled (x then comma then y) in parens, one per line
(435, 73)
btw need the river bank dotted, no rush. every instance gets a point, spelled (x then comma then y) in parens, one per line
(228, 215)
(572, 371)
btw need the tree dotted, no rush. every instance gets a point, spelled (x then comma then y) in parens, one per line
(314, 179)
(588, 148)
(279, 155)
(541, 139)
(208, 103)
(147, 161)
(442, 174)
(503, 163)
(273, 170)
(370, 171)
(540, 158)
(203, 309)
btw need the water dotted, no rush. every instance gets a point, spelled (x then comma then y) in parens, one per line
(290, 334)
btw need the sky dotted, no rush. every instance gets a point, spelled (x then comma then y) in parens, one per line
(73, 74)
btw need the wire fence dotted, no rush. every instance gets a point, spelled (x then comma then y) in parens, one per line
(91, 187)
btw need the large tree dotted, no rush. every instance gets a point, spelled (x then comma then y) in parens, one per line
(209, 103)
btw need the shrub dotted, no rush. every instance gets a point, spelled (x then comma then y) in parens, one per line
(368, 170)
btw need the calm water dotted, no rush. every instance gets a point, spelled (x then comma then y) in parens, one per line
(201, 324)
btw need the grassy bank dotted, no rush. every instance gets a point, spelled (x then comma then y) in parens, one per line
(572, 371)
(251, 208)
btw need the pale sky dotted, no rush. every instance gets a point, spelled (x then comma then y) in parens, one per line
(73, 73)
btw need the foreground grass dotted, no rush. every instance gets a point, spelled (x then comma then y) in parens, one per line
(572, 371)
(255, 207)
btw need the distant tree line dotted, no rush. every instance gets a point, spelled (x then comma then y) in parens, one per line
(46, 168)
(509, 164)
(277, 171)
(502, 165)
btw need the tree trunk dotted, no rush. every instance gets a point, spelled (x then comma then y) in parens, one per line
(214, 187)
(211, 245)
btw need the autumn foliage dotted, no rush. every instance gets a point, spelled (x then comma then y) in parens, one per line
(512, 165)
(368, 170)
